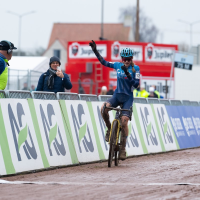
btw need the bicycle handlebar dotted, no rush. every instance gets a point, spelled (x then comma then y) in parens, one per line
(118, 109)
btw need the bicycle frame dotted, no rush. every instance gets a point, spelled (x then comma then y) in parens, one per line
(118, 129)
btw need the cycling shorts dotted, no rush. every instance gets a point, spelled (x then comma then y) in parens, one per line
(124, 99)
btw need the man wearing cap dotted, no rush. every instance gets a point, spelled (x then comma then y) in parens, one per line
(54, 80)
(6, 49)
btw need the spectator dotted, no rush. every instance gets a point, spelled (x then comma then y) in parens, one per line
(33, 88)
(136, 92)
(80, 88)
(152, 93)
(54, 80)
(103, 90)
(156, 91)
(110, 91)
(6, 49)
(143, 92)
(25, 86)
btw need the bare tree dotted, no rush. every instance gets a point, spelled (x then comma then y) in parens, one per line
(147, 30)
(183, 47)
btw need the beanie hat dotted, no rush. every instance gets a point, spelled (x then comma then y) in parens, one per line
(53, 59)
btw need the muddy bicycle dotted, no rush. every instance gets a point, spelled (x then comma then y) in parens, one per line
(115, 134)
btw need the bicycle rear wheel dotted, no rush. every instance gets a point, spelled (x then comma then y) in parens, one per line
(112, 143)
(116, 158)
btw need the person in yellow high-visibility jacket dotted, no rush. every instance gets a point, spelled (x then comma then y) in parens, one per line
(156, 91)
(136, 92)
(143, 92)
(6, 49)
(140, 92)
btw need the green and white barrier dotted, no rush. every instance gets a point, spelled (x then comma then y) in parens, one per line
(37, 134)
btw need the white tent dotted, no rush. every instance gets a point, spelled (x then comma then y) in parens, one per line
(26, 69)
(29, 63)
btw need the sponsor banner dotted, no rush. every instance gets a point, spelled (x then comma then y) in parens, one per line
(24, 149)
(158, 54)
(100, 125)
(196, 118)
(165, 128)
(82, 131)
(184, 140)
(52, 131)
(77, 50)
(6, 164)
(150, 135)
(2, 165)
(133, 144)
(187, 119)
(116, 48)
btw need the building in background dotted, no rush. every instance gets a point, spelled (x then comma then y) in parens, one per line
(62, 33)
(154, 60)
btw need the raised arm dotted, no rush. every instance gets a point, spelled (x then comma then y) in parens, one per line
(100, 58)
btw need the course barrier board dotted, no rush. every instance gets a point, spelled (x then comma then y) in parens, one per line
(37, 134)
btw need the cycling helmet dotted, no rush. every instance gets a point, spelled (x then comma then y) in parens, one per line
(126, 52)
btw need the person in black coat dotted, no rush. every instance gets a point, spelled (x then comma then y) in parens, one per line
(54, 80)
(110, 91)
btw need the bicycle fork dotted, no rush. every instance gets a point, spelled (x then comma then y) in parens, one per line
(118, 129)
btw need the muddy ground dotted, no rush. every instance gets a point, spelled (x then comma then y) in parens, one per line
(144, 177)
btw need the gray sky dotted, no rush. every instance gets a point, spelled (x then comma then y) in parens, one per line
(36, 28)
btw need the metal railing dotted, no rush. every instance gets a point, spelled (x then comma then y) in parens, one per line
(88, 97)
(2, 94)
(176, 102)
(153, 100)
(165, 102)
(19, 94)
(140, 100)
(67, 96)
(20, 79)
(44, 95)
(23, 94)
(104, 97)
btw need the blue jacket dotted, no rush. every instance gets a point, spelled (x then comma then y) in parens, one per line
(124, 84)
(3, 72)
(59, 84)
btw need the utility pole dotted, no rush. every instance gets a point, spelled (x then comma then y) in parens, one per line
(19, 36)
(191, 24)
(102, 1)
(137, 35)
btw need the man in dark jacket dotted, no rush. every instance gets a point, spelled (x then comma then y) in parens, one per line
(54, 80)
(110, 91)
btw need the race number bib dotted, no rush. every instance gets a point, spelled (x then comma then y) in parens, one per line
(137, 75)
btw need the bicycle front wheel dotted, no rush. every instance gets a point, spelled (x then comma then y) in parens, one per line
(112, 142)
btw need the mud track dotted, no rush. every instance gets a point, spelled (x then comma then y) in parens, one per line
(145, 177)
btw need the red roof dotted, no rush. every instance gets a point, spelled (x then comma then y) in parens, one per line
(65, 32)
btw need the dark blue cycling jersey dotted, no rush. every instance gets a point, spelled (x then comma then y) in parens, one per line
(124, 84)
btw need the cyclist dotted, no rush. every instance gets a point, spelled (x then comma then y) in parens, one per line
(128, 75)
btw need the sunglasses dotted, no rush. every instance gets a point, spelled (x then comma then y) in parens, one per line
(127, 59)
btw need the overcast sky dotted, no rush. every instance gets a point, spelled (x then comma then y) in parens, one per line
(36, 27)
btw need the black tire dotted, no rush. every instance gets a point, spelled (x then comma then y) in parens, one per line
(112, 143)
(116, 158)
